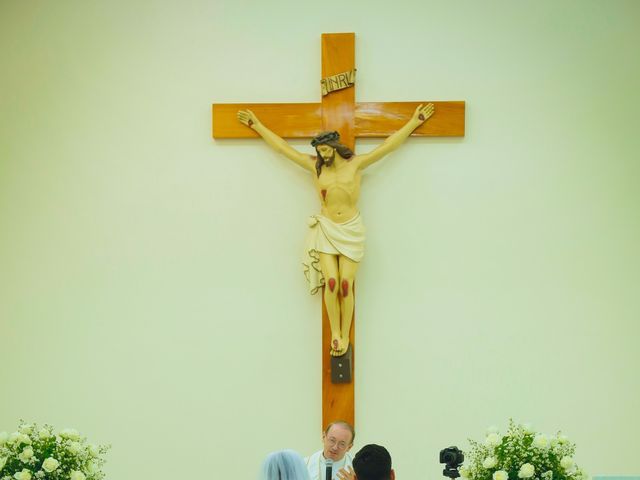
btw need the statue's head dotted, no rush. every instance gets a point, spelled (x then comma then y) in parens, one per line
(326, 145)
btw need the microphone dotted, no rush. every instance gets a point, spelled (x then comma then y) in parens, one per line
(329, 463)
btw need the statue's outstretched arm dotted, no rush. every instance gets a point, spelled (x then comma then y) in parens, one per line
(250, 119)
(422, 113)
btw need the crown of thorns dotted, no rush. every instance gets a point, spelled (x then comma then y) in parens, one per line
(324, 138)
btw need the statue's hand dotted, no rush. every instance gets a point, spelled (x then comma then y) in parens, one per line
(248, 118)
(423, 112)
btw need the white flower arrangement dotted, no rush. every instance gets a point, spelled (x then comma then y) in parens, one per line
(33, 453)
(522, 454)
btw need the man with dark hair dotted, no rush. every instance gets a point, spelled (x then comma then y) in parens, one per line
(373, 462)
(337, 440)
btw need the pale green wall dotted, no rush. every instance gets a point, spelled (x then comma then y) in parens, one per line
(150, 289)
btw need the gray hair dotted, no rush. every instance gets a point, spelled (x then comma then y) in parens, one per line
(284, 465)
(344, 424)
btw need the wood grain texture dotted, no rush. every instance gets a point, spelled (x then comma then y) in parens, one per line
(338, 399)
(338, 113)
(381, 119)
(288, 120)
(305, 120)
(338, 108)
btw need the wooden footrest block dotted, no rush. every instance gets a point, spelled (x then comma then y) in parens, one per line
(342, 367)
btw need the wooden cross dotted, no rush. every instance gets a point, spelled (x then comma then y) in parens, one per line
(338, 111)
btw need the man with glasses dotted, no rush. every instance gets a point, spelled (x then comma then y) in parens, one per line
(337, 440)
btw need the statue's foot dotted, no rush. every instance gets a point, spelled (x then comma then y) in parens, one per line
(338, 347)
(345, 345)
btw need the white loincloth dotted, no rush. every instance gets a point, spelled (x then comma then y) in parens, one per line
(326, 236)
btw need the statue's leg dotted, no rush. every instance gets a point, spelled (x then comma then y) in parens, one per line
(329, 266)
(347, 269)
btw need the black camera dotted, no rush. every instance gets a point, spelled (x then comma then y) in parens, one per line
(452, 457)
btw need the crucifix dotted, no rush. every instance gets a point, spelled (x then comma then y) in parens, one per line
(343, 120)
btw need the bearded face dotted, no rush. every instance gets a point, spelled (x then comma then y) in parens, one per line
(327, 153)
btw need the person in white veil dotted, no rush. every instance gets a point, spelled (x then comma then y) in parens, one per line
(284, 465)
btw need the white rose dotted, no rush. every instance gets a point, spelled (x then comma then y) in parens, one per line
(23, 475)
(562, 439)
(4, 436)
(44, 433)
(528, 428)
(93, 450)
(541, 442)
(70, 433)
(24, 438)
(91, 467)
(526, 471)
(74, 447)
(14, 437)
(26, 455)
(493, 440)
(464, 472)
(50, 464)
(500, 475)
(26, 428)
(3, 460)
(76, 475)
(567, 463)
(490, 462)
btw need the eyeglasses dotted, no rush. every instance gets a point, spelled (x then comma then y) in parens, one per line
(334, 443)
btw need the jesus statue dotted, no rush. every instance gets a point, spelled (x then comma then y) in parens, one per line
(336, 239)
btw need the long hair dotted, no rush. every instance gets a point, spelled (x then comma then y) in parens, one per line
(330, 139)
(284, 465)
